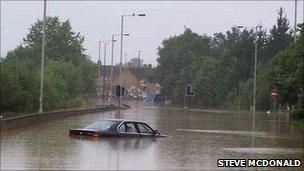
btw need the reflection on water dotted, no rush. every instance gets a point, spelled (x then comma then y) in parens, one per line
(112, 153)
(197, 140)
(117, 143)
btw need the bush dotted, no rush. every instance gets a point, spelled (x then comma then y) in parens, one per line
(297, 115)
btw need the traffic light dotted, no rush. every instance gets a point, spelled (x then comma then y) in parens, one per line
(189, 91)
(118, 88)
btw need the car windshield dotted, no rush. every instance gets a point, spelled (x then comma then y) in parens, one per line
(100, 125)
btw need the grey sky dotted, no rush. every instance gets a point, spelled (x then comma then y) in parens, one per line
(98, 20)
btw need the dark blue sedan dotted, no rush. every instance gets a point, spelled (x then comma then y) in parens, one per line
(116, 128)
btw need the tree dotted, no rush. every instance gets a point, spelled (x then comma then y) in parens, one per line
(216, 66)
(69, 73)
(288, 72)
(279, 37)
(178, 54)
(61, 42)
(18, 81)
(205, 83)
(135, 62)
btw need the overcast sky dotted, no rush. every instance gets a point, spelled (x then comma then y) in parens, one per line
(98, 20)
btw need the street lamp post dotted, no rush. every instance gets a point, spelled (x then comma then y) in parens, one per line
(99, 69)
(42, 58)
(104, 73)
(121, 49)
(104, 66)
(255, 73)
(0, 28)
(112, 63)
(255, 67)
(99, 58)
(139, 58)
(138, 88)
(254, 80)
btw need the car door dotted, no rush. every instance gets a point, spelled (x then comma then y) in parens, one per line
(145, 130)
(128, 129)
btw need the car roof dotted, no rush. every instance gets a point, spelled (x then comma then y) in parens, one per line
(122, 120)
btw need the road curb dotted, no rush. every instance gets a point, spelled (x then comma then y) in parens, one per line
(24, 120)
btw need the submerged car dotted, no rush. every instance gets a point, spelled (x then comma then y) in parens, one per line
(116, 128)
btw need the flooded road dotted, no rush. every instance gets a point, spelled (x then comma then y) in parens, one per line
(196, 141)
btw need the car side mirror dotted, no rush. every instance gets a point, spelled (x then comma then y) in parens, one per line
(155, 132)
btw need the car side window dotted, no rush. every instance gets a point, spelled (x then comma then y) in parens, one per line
(128, 127)
(122, 128)
(143, 128)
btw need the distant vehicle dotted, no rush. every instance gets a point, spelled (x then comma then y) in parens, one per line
(116, 128)
(154, 98)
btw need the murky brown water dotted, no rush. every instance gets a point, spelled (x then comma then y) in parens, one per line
(197, 140)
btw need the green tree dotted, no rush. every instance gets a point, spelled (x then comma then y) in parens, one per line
(205, 84)
(69, 73)
(216, 66)
(176, 56)
(279, 38)
(288, 72)
(61, 42)
(18, 81)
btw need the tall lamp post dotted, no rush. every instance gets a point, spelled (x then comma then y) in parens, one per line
(104, 72)
(255, 67)
(254, 79)
(42, 58)
(99, 69)
(138, 85)
(121, 48)
(104, 67)
(112, 62)
(0, 27)
(255, 72)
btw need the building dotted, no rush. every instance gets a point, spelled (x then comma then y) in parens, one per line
(134, 79)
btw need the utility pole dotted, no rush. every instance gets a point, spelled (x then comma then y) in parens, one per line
(185, 97)
(112, 69)
(255, 72)
(42, 58)
(0, 27)
(138, 73)
(254, 87)
(99, 59)
(121, 49)
(104, 73)
(112, 62)
(255, 65)
(120, 64)
(99, 72)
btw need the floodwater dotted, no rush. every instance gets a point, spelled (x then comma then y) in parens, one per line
(196, 140)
